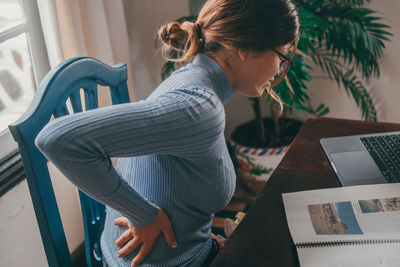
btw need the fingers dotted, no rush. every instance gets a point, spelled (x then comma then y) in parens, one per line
(219, 240)
(125, 237)
(166, 228)
(129, 247)
(169, 235)
(122, 221)
(144, 250)
(145, 235)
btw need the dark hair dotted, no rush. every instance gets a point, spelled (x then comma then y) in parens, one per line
(249, 25)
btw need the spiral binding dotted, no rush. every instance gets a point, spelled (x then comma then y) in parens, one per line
(346, 243)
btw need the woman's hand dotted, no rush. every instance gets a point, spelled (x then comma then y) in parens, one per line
(145, 235)
(221, 242)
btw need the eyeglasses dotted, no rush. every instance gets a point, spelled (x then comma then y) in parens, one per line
(286, 61)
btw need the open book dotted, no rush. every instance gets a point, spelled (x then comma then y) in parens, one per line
(355, 226)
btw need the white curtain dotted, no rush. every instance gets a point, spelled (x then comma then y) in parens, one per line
(94, 28)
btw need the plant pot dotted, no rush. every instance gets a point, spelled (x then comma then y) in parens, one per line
(257, 164)
(256, 160)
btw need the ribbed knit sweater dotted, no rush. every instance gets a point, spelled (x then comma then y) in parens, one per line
(172, 154)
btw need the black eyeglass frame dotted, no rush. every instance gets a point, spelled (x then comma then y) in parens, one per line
(281, 56)
(286, 62)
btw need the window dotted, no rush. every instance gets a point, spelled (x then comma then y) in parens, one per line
(23, 63)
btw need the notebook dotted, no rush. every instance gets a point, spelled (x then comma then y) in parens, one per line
(364, 159)
(349, 226)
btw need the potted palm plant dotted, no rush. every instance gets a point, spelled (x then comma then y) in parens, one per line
(345, 40)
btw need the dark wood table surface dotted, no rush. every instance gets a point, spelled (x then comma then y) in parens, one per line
(263, 238)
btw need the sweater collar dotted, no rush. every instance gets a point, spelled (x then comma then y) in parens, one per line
(221, 83)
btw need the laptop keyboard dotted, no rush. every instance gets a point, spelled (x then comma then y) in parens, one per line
(385, 150)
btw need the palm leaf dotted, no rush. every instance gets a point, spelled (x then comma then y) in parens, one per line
(353, 34)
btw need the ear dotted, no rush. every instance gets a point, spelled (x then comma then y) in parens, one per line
(243, 55)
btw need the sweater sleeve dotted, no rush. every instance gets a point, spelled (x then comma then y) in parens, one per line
(183, 123)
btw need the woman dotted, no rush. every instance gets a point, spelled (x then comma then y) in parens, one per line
(174, 170)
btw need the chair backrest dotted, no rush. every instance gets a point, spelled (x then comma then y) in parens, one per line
(67, 81)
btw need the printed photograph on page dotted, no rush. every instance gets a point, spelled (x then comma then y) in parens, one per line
(355, 218)
(334, 219)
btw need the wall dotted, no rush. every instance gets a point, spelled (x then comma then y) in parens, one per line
(21, 244)
(143, 21)
(19, 233)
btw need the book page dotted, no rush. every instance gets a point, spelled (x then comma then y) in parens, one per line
(344, 213)
(376, 255)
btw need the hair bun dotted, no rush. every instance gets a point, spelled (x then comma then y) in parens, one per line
(187, 37)
(174, 35)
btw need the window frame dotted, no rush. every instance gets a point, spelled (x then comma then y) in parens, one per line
(40, 64)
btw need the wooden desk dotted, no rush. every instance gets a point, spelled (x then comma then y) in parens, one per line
(263, 238)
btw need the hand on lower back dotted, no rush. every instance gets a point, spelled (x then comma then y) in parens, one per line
(144, 235)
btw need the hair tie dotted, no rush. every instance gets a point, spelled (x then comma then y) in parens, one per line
(199, 32)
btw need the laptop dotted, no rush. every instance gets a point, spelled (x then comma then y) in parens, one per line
(364, 159)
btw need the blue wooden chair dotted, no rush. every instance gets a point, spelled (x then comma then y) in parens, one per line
(62, 83)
